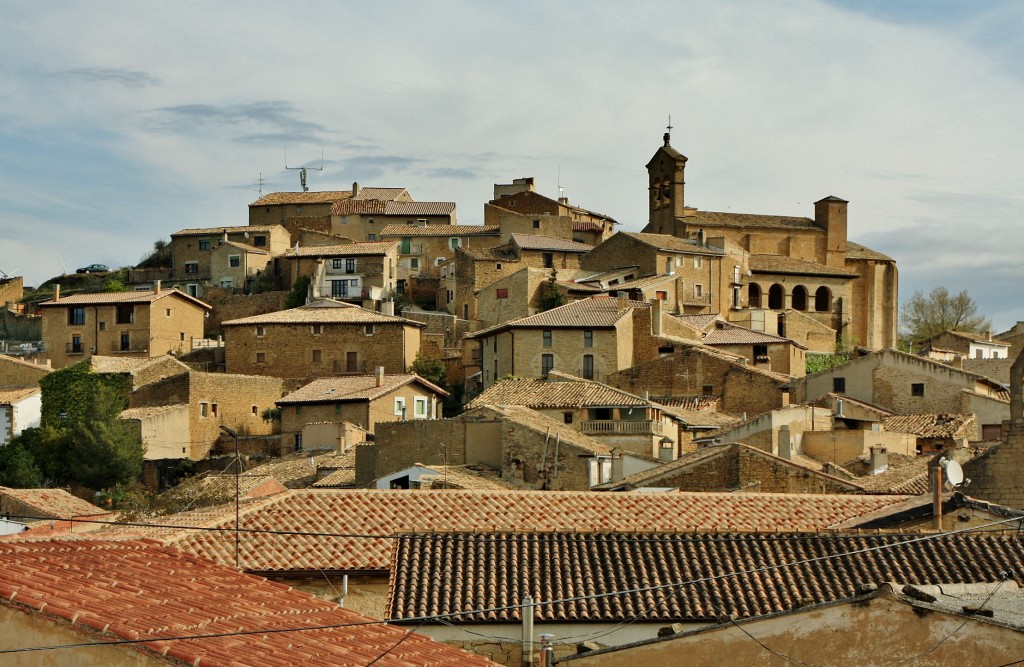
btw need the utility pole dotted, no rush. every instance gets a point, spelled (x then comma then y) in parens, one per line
(238, 471)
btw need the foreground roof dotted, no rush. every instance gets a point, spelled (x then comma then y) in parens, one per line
(702, 577)
(555, 393)
(932, 425)
(12, 395)
(348, 388)
(47, 503)
(140, 590)
(373, 517)
(325, 311)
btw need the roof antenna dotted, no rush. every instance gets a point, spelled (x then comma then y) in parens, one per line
(260, 181)
(668, 135)
(302, 170)
(561, 190)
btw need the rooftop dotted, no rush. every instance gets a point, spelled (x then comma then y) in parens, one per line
(598, 312)
(725, 219)
(216, 231)
(669, 243)
(349, 388)
(314, 197)
(932, 425)
(725, 333)
(781, 265)
(537, 242)
(48, 503)
(111, 298)
(440, 230)
(343, 250)
(12, 395)
(325, 311)
(858, 251)
(555, 392)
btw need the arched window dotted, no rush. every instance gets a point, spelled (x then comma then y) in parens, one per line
(753, 295)
(823, 300)
(776, 297)
(799, 298)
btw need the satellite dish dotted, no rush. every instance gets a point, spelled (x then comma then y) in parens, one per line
(246, 235)
(954, 473)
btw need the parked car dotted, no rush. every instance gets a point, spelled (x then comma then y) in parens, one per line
(94, 268)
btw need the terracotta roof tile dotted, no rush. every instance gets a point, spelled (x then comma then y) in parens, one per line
(12, 395)
(932, 425)
(382, 194)
(314, 197)
(541, 424)
(724, 219)
(670, 243)
(738, 575)
(103, 298)
(555, 393)
(440, 230)
(7, 359)
(387, 513)
(50, 503)
(537, 242)
(325, 311)
(297, 470)
(215, 231)
(593, 313)
(141, 590)
(731, 334)
(858, 251)
(343, 250)
(130, 365)
(779, 264)
(353, 388)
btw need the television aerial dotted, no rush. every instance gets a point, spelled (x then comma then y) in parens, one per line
(4, 275)
(953, 473)
(302, 170)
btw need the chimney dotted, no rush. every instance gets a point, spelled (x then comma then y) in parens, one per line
(667, 451)
(656, 317)
(378, 375)
(387, 306)
(56, 292)
(156, 287)
(617, 466)
(878, 460)
(785, 443)
(623, 302)
(355, 189)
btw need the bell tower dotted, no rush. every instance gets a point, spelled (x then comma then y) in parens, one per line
(665, 174)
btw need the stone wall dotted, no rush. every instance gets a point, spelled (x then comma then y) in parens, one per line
(230, 306)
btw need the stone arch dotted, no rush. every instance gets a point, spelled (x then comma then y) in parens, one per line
(776, 297)
(823, 299)
(799, 298)
(753, 295)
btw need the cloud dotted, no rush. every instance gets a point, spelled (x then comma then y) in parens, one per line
(451, 172)
(279, 116)
(125, 77)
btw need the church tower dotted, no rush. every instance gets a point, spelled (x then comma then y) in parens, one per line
(665, 174)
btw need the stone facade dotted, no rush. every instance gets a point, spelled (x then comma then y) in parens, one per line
(346, 272)
(193, 250)
(15, 372)
(12, 290)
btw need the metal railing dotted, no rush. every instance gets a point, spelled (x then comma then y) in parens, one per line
(612, 426)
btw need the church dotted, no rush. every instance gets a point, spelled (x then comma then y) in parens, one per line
(783, 267)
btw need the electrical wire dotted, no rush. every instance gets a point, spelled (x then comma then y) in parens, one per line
(404, 637)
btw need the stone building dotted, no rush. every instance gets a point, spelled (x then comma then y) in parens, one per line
(361, 273)
(223, 256)
(807, 264)
(956, 345)
(296, 211)
(423, 248)
(322, 338)
(367, 211)
(518, 208)
(15, 372)
(130, 324)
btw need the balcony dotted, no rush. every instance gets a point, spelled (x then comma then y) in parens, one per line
(693, 300)
(619, 427)
(74, 348)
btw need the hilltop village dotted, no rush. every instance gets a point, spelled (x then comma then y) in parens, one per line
(372, 435)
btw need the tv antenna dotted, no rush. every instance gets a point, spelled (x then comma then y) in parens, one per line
(302, 170)
(260, 181)
(561, 190)
(4, 275)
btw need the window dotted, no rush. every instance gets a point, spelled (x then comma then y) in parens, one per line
(414, 263)
(234, 261)
(298, 410)
(536, 224)
(547, 338)
(261, 357)
(261, 331)
(350, 265)
(698, 262)
(588, 367)
(799, 298)
(400, 406)
(76, 315)
(707, 390)
(259, 241)
(753, 295)
(255, 411)
(698, 291)
(776, 296)
(103, 326)
(76, 344)
(547, 364)
(213, 409)
(337, 263)
(567, 417)
(317, 329)
(497, 267)
(204, 244)
(588, 338)
(168, 312)
(181, 335)
(204, 409)
(501, 293)
(438, 261)
(838, 385)
(666, 351)
(192, 267)
(917, 389)
(465, 311)
(352, 362)
(193, 289)
(318, 356)
(339, 288)
(549, 260)
(126, 342)
(406, 245)
(298, 441)
(337, 408)
(371, 237)
(226, 283)
(661, 295)
(420, 407)
(453, 244)
(760, 353)
(368, 329)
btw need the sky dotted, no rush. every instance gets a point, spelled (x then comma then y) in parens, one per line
(122, 122)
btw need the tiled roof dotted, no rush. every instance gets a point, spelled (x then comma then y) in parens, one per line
(723, 219)
(358, 206)
(388, 513)
(858, 251)
(106, 298)
(343, 475)
(50, 503)
(537, 242)
(781, 265)
(215, 489)
(325, 311)
(669, 243)
(215, 231)
(382, 194)
(314, 197)
(245, 248)
(699, 419)
(587, 227)
(343, 250)
(542, 424)
(634, 283)
(618, 272)
(146, 412)
(932, 425)
(12, 395)
(348, 388)
(699, 322)
(905, 474)
(694, 403)
(555, 393)
(593, 313)
(488, 254)
(975, 337)
(7, 359)
(123, 589)
(739, 574)
(297, 470)
(130, 365)
(731, 334)
(471, 477)
(441, 230)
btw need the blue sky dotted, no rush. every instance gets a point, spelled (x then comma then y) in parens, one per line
(123, 122)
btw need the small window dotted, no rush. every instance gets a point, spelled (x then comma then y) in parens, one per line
(261, 331)
(547, 364)
(438, 261)
(371, 237)
(547, 338)
(261, 357)
(549, 260)
(917, 389)
(760, 352)
(191, 267)
(588, 367)
(414, 262)
(350, 266)
(661, 295)
(317, 329)
(337, 263)
(337, 408)
(204, 409)
(204, 244)
(368, 329)
(536, 224)
(168, 312)
(420, 407)
(497, 267)
(126, 342)
(351, 362)
(181, 335)
(298, 410)
(501, 292)
(707, 390)
(255, 411)
(400, 406)
(588, 338)
(698, 262)
(698, 291)
(226, 283)
(103, 326)
(298, 441)
(318, 356)
(259, 241)
(213, 409)
(666, 351)
(567, 417)
(453, 244)
(234, 261)
(838, 385)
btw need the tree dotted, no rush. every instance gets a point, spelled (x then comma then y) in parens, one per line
(552, 297)
(926, 316)
(18, 469)
(431, 369)
(105, 450)
(297, 297)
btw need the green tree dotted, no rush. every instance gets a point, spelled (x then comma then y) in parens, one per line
(18, 469)
(431, 369)
(104, 450)
(297, 297)
(553, 297)
(925, 316)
